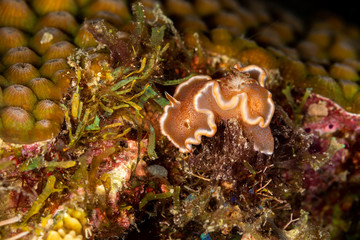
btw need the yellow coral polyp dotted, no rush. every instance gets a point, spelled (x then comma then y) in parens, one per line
(53, 235)
(72, 223)
(11, 38)
(258, 56)
(343, 71)
(21, 55)
(59, 224)
(79, 214)
(69, 225)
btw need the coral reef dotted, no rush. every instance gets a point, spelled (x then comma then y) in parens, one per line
(153, 120)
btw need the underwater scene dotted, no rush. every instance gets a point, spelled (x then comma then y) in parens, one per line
(177, 119)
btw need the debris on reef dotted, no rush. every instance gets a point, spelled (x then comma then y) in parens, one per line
(86, 157)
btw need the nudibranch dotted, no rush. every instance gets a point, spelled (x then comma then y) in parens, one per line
(200, 102)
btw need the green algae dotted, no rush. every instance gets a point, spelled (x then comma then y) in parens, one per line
(40, 201)
(172, 192)
(39, 162)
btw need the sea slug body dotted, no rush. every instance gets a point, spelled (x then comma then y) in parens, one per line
(200, 102)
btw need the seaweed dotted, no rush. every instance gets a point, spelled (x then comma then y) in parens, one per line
(172, 192)
(95, 163)
(40, 201)
(297, 109)
(39, 162)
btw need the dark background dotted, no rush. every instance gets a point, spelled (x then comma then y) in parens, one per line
(307, 9)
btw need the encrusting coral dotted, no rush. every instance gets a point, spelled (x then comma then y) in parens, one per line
(200, 101)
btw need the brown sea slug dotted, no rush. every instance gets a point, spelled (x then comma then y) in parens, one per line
(201, 101)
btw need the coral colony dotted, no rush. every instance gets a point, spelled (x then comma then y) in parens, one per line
(176, 119)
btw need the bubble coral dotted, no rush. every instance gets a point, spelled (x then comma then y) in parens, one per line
(201, 101)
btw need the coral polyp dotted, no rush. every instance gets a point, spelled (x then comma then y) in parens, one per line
(44, 89)
(62, 79)
(117, 7)
(43, 7)
(21, 55)
(47, 109)
(11, 38)
(21, 73)
(258, 56)
(44, 130)
(50, 67)
(45, 38)
(16, 13)
(61, 20)
(17, 124)
(61, 49)
(19, 96)
(84, 38)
